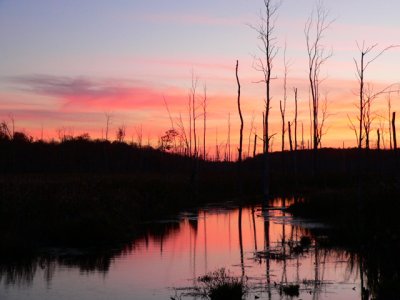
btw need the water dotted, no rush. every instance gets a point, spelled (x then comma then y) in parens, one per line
(167, 260)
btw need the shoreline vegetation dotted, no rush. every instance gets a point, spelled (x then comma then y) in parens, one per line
(84, 193)
(81, 191)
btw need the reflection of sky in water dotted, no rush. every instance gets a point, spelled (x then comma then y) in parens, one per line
(199, 245)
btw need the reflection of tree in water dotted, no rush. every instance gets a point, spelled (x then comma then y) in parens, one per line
(380, 266)
(19, 270)
(295, 243)
(375, 261)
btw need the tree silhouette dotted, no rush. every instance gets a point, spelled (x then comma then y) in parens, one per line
(314, 31)
(269, 50)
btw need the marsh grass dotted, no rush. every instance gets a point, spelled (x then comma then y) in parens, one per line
(220, 285)
(291, 290)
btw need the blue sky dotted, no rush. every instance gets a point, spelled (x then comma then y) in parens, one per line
(153, 46)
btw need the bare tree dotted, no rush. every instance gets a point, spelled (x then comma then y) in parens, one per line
(364, 101)
(183, 135)
(282, 104)
(322, 130)
(394, 131)
(217, 154)
(255, 144)
(378, 142)
(121, 133)
(368, 115)
(240, 115)
(176, 135)
(382, 130)
(12, 120)
(389, 104)
(108, 122)
(204, 105)
(194, 116)
(295, 118)
(250, 133)
(65, 133)
(314, 31)
(139, 135)
(190, 123)
(268, 48)
(228, 142)
(290, 136)
(169, 113)
(353, 127)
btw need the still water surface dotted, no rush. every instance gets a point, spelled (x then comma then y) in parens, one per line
(262, 246)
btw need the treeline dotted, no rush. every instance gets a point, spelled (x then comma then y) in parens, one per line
(81, 154)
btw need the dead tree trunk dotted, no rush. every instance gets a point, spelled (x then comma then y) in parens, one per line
(255, 145)
(282, 105)
(266, 31)
(204, 121)
(389, 102)
(228, 145)
(190, 124)
(290, 136)
(366, 98)
(194, 86)
(250, 133)
(295, 118)
(283, 109)
(240, 183)
(314, 31)
(394, 131)
(240, 115)
(108, 121)
(378, 143)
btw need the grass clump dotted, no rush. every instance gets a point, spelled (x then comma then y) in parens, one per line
(219, 285)
(291, 290)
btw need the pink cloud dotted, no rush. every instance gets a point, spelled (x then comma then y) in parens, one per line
(99, 95)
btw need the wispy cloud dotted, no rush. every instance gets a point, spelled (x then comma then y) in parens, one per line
(88, 93)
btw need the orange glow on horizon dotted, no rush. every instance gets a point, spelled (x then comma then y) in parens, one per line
(143, 107)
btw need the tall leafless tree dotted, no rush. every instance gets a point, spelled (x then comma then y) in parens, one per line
(378, 142)
(282, 104)
(250, 133)
(240, 115)
(264, 64)
(139, 135)
(194, 116)
(290, 136)
(364, 95)
(183, 135)
(228, 141)
(394, 130)
(190, 123)
(217, 154)
(204, 105)
(314, 31)
(255, 144)
(12, 120)
(389, 105)
(108, 122)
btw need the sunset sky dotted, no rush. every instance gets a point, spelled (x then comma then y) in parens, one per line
(65, 64)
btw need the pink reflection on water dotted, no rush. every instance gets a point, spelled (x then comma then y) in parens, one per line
(211, 240)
